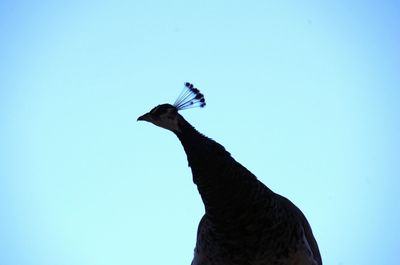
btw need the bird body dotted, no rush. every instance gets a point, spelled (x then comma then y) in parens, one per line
(245, 223)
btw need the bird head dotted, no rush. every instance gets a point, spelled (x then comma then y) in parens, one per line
(166, 115)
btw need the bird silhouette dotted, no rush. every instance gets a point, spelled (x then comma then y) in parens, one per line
(245, 223)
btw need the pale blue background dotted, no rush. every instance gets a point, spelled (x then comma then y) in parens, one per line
(305, 94)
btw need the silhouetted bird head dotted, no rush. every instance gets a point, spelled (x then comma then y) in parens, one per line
(166, 115)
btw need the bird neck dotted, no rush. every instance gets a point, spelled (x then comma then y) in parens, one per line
(226, 187)
(198, 149)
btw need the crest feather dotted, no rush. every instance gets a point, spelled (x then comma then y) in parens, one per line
(190, 97)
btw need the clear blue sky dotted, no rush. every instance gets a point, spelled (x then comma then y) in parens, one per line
(305, 95)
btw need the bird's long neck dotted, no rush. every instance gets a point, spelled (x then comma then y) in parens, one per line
(226, 187)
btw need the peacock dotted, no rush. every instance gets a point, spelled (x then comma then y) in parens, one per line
(245, 222)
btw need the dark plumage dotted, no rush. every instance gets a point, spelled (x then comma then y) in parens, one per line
(245, 223)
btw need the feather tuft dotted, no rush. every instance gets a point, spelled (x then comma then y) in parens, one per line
(190, 97)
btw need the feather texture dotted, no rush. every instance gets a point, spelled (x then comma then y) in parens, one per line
(245, 222)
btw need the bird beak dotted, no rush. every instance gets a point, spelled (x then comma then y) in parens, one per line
(145, 117)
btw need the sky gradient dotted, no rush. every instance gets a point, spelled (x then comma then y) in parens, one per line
(306, 96)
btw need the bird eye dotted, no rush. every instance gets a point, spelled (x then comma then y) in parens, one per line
(155, 110)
